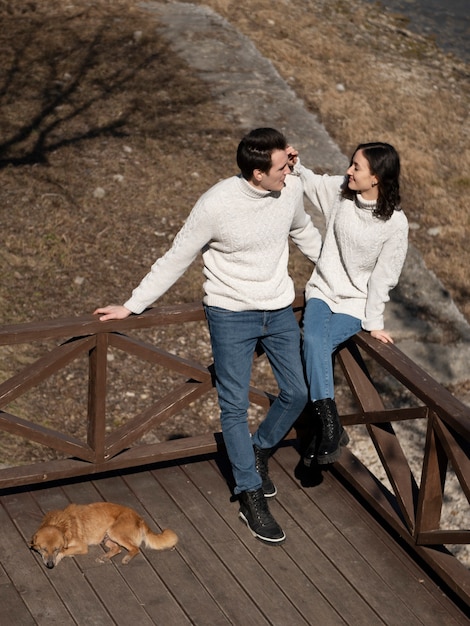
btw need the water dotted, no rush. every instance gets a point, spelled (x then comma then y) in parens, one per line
(447, 21)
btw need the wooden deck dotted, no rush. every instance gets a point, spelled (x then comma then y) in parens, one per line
(338, 565)
(353, 544)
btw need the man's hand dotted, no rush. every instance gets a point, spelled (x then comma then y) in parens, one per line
(112, 312)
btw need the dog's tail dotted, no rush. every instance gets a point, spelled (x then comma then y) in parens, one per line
(159, 541)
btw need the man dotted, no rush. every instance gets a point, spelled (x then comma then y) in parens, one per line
(242, 226)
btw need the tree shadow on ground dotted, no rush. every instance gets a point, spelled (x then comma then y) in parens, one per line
(71, 79)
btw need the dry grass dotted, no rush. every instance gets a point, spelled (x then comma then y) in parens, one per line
(98, 168)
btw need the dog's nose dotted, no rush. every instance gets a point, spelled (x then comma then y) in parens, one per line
(50, 564)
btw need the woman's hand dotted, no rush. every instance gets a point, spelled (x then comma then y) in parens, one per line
(381, 335)
(292, 155)
(112, 312)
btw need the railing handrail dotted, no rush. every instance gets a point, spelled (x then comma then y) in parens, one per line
(418, 381)
(25, 332)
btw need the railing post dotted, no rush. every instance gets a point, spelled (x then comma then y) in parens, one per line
(98, 365)
(428, 514)
(382, 435)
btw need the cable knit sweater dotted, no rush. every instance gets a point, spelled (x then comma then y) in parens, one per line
(362, 256)
(243, 235)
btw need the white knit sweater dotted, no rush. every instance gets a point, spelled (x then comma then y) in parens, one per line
(362, 256)
(243, 235)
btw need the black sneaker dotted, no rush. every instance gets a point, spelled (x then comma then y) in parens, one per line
(261, 462)
(255, 513)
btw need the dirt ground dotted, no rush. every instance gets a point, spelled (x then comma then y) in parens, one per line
(107, 139)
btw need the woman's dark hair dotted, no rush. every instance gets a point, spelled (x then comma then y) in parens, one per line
(384, 163)
(255, 150)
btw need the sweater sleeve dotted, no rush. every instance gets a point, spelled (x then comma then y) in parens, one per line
(321, 190)
(305, 235)
(385, 275)
(189, 241)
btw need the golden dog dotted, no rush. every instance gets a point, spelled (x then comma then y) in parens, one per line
(70, 531)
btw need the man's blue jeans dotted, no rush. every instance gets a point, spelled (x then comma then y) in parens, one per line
(234, 336)
(324, 331)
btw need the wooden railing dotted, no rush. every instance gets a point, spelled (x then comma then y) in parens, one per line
(413, 511)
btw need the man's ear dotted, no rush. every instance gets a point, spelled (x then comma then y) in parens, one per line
(257, 175)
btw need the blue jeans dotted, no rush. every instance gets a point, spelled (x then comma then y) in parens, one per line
(324, 331)
(234, 336)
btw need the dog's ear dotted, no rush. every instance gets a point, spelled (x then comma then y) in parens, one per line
(32, 543)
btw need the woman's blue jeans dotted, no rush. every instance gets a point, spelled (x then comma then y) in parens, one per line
(324, 331)
(234, 337)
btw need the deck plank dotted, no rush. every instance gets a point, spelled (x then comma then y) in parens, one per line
(301, 519)
(338, 565)
(12, 609)
(265, 590)
(223, 554)
(395, 587)
(292, 585)
(401, 575)
(179, 579)
(215, 599)
(36, 591)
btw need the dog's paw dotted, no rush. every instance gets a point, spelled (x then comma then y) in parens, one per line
(102, 559)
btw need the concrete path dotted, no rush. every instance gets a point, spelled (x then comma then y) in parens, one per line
(426, 324)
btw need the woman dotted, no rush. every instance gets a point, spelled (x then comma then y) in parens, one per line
(362, 256)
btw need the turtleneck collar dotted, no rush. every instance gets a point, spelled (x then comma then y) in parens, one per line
(368, 205)
(253, 192)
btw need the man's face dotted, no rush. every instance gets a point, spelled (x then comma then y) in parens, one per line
(274, 180)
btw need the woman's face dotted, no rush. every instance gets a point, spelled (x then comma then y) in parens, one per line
(360, 178)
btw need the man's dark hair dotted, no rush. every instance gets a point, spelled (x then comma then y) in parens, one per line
(255, 150)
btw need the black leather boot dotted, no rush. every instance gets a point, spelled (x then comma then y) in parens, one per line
(329, 435)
